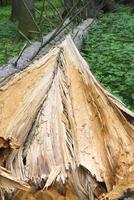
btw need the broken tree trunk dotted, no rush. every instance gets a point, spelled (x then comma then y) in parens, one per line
(30, 52)
(8, 181)
(63, 133)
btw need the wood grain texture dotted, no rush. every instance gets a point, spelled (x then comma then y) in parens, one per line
(65, 134)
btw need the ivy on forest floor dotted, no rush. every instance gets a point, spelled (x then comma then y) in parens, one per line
(109, 50)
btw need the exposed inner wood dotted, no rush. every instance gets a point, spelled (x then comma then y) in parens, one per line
(62, 133)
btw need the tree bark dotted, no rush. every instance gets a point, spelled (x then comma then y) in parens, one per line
(15, 10)
(26, 17)
(30, 52)
(3, 2)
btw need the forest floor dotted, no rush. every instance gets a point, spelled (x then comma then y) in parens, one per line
(108, 47)
(10, 46)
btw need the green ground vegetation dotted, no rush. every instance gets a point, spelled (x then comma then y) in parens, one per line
(109, 49)
(9, 44)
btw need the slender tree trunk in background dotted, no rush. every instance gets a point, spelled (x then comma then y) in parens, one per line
(15, 10)
(89, 8)
(3, 2)
(26, 17)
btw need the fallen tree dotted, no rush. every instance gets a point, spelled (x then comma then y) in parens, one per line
(62, 133)
(38, 49)
(7, 180)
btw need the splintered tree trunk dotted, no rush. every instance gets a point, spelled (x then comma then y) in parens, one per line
(8, 180)
(64, 134)
(26, 17)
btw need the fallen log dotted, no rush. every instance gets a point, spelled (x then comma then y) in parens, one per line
(63, 133)
(30, 52)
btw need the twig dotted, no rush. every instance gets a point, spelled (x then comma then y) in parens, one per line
(62, 28)
(63, 5)
(41, 14)
(22, 50)
(55, 9)
(25, 37)
(38, 28)
(59, 28)
(36, 32)
(45, 17)
(71, 10)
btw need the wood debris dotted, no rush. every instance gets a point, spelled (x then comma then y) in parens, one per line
(63, 133)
